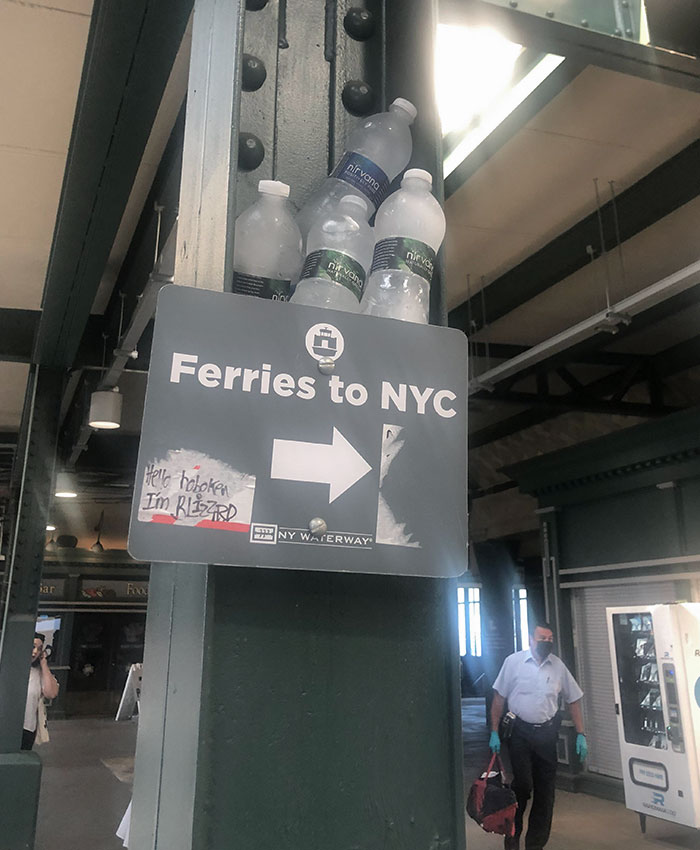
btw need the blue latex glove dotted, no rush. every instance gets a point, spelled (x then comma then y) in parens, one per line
(581, 746)
(495, 743)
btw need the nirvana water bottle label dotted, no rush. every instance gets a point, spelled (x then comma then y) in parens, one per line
(338, 267)
(262, 287)
(363, 174)
(399, 252)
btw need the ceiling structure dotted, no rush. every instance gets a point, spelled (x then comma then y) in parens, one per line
(523, 250)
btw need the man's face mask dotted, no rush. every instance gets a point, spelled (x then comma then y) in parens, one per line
(544, 647)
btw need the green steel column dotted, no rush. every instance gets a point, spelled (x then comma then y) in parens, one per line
(20, 773)
(558, 614)
(169, 752)
(308, 711)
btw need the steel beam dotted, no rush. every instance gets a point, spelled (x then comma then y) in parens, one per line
(20, 598)
(409, 38)
(265, 684)
(619, 315)
(169, 756)
(36, 452)
(130, 52)
(545, 27)
(671, 361)
(17, 330)
(665, 189)
(591, 350)
(584, 402)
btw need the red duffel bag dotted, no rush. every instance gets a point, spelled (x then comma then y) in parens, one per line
(491, 802)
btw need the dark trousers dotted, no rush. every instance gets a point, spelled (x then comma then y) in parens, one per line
(28, 739)
(533, 760)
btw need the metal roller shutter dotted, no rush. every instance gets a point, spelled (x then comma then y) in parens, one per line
(594, 665)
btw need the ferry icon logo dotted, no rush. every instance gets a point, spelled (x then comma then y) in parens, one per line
(324, 341)
(657, 798)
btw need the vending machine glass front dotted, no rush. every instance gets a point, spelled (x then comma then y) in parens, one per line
(641, 703)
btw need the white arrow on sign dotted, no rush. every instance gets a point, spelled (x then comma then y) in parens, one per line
(339, 464)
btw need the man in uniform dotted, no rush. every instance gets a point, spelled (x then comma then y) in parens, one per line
(532, 681)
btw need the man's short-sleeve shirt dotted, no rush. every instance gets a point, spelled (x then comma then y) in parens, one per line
(533, 689)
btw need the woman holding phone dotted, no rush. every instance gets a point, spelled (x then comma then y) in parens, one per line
(41, 685)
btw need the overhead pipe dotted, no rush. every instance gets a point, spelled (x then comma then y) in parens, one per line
(606, 320)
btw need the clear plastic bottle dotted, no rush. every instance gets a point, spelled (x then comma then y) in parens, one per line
(338, 259)
(409, 230)
(267, 250)
(377, 151)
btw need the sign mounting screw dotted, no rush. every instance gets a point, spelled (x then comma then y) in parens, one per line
(317, 526)
(326, 365)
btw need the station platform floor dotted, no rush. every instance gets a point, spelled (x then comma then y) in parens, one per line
(88, 770)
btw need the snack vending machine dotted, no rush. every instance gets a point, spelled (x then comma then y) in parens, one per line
(655, 652)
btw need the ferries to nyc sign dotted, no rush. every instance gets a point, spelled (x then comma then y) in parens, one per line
(284, 436)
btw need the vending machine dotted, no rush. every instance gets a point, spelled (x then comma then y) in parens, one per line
(655, 652)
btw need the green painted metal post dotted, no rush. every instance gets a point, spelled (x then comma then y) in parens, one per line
(296, 709)
(20, 772)
(170, 755)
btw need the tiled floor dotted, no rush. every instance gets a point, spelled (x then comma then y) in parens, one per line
(82, 798)
(581, 822)
(87, 770)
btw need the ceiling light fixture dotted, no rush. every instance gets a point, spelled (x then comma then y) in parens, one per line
(65, 486)
(51, 528)
(510, 99)
(473, 67)
(105, 409)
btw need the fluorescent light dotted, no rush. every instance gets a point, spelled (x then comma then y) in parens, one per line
(51, 528)
(501, 110)
(65, 486)
(105, 409)
(473, 67)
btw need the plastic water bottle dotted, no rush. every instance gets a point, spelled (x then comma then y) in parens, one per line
(377, 151)
(409, 229)
(267, 250)
(338, 259)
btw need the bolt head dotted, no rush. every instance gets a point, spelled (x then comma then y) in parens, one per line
(513, 4)
(358, 97)
(251, 151)
(318, 526)
(254, 72)
(584, 23)
(359, 23)
(629, 33)
(549, 14)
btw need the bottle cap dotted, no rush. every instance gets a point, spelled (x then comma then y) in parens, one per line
(407, 106)
(419, 174)
(273, 187)
(358, 202)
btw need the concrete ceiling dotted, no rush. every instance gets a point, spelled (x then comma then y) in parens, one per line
(604, 124)
(42, 46)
